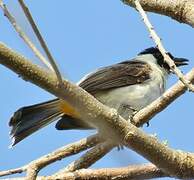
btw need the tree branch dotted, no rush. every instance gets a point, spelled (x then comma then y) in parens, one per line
(135, 172)
(13, 171)
(177, 163)
(88, 158)
(145, 114)
(164, 53)
(24, 36)
(74, 148)
(41, 40)
(132, 172)
(180, 10)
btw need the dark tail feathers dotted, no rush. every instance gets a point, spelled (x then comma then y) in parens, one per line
(28, 120)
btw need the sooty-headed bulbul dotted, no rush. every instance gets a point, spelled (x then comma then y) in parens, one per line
(128, 85)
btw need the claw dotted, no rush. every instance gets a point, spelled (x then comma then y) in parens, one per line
(120, 147)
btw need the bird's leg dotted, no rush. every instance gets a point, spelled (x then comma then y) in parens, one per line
(133, 113)
(127, 112)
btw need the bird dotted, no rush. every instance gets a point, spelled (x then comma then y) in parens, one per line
(126, 86)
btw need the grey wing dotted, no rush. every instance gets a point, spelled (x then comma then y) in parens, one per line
(122, 74)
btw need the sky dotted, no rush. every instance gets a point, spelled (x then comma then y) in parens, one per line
(83, 36)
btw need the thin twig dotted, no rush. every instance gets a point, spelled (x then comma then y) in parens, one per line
(41, 40)
(23, 35)
(158, 42)
(68, 150)
(89, 158)
(35, 166)
(13, 171)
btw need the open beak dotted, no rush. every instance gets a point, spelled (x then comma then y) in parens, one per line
(180, 61)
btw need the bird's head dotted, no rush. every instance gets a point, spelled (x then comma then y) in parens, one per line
(160, 59)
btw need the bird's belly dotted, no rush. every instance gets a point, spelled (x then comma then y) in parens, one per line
(135, 96)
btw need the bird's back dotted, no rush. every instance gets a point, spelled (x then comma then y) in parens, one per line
(136, 96)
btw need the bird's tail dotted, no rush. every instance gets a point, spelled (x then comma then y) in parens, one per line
(28, 120)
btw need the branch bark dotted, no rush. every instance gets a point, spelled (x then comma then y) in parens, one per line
(180, 10)
(132, 172)
(135, 172)
(89, 158)
(13, 171)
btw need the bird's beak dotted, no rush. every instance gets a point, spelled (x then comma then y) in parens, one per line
(180, 61)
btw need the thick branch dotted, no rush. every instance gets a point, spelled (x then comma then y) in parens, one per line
(135, 172)
(176, 163)
(180, 10)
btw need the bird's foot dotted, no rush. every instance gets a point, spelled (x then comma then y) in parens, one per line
(134, 112)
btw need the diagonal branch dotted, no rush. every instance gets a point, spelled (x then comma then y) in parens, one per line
(33, 167)
(89, 158)
(23, 35)
(13, 171)
(162, 102)
(177, 163)
(158, 42)
(41, 40)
